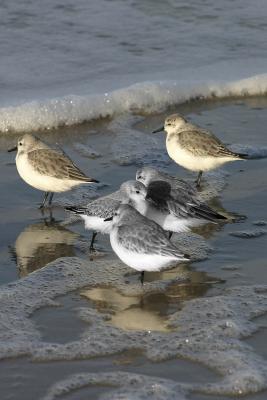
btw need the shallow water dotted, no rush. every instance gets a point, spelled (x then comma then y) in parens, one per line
(61, 48)
(63, 63)
(102, 320)
(97, 77)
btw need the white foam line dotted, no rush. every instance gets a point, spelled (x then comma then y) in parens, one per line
(147, 96)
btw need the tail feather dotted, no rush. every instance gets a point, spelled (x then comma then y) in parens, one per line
(204, 211)
(180, 256)
(76, 210)
(91, 180)
(242, 156)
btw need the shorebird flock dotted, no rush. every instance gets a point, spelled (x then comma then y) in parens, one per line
(141, 216)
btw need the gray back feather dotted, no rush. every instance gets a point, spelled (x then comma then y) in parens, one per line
(146, 237)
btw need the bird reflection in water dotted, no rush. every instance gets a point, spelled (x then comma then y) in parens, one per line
(208, 230)
(40, 243)
(149, 311)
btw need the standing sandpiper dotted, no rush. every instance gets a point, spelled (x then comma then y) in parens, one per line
(141, 243)
(46, 169)
(195, 148)
(95, 212)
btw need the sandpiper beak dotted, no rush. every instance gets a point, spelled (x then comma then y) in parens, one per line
(13, 149)
(108, 219)
(159, 130)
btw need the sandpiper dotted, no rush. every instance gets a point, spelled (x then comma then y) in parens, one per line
(195, 148)
(45, 168)
(141, 243)
(173, 214)
(95, 212)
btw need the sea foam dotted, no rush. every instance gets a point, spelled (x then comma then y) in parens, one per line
(146, 97)
(208, 330)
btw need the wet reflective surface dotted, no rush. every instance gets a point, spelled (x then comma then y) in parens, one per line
(41, 243)
(112, 309)
(149, 312)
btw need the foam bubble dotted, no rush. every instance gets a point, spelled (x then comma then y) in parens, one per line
(260, 223)
(132, 147)
(208, 330)
(249, 233)
(124, 386)
(146, 97)
(86, 150)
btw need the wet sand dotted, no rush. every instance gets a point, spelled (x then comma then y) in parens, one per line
(29, 241)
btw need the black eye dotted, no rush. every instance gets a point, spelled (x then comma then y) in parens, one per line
(137, 191)
(20, 143)
(139, 177)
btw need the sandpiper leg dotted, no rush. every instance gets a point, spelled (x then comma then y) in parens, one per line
(142, 277)
(44, 200)
(199, 178)
(51, 218)
(91, 248)
(48, 221)
(50, 198)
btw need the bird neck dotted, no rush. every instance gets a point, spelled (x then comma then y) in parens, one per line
(140, 206)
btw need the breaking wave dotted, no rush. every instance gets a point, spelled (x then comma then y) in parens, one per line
(146, 97)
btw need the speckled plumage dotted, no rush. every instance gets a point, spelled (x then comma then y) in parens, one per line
(195, 148)
(161, 195)
(45, 168)
(168, 196)
(95, 212)
(102, 207)
(50, 162)
(141, 243)
(200, 142)
(146, 237)
(185, 189)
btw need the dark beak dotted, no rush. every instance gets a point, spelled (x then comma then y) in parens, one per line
(13, 149)
(108, 219)
(159, 130)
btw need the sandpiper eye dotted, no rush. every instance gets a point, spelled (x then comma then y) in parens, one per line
(137, 191)
(20, 143)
